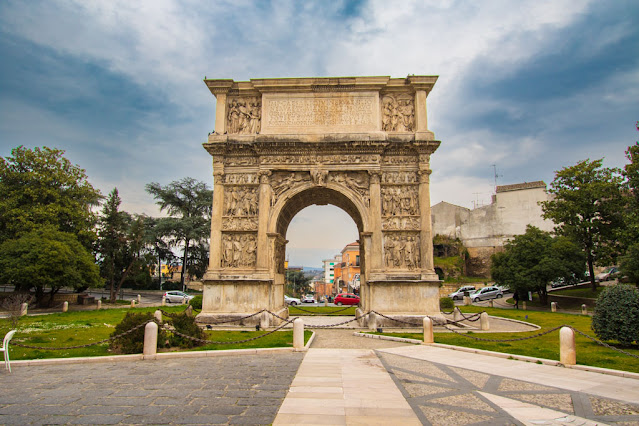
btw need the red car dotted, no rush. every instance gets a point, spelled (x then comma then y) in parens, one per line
(346, 299)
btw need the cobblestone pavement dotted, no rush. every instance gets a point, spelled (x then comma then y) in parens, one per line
(247, 389)
(446, 395)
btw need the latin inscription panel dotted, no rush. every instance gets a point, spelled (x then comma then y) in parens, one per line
(320, 112)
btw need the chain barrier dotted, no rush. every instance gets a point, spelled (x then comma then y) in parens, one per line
(398, 320)
(195, 339)
(604, 344)
(448, 313)
(83, 346)
(506, 340)
(471, 318)
(332, 325)
(320, 314)
(277, 316)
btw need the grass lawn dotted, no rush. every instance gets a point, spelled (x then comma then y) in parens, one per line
(328, 310)
(82, 327)
(588, 352)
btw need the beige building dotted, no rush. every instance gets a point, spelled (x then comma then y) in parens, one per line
(485, 229)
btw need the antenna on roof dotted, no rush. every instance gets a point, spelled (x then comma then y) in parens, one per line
(496, 175)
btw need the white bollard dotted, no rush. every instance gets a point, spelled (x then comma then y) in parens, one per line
(325, 302)
(553, 306)
(139, 299)
(428, 331)
(24, 308)
(483, 321)
(99, 304)
(523, 305)
(372, 321)
(491, 303)
(298, 334)
(358, 313)
(65, 306)
(163, 300)
(133, 303)
(467, 301)
(265, 320)
(184, 300)
(158, 316)
(457, 315)
(150, 339)
(584, 309)
(189, 311)
(567, 349)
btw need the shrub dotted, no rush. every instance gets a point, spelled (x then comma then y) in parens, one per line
(171, 285)
(616, 315)
(185, 325)
(132, 343)
(196, 302)
(446, 303)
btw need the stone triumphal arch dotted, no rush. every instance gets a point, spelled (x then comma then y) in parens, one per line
(280, 145)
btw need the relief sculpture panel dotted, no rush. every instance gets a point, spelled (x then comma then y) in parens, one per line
(238, 250)
(400, 200)
(398, 113)
(402, 250)
(240, 201)
(282, 181)
(244, 115)
(357, 181)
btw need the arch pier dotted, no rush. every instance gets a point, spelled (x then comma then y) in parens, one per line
(280, 145)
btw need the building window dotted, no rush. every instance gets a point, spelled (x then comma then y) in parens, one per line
(357, 260)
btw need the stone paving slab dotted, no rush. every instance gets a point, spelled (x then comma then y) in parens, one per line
(232, 389)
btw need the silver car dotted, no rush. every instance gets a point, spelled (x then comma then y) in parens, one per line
(486, 293)
(175, 296)
(292, 300)
(459, 294)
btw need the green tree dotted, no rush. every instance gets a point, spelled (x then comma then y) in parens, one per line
(121, 245)
(297, 283)
(588, 208)
(533, 260)
(189, 203)
(41, 187)
(629, 262)
(47, 259)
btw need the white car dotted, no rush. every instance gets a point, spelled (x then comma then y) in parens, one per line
(292, 300)
(486, 293)
(308, 299)
(459, 293)
(176, 296)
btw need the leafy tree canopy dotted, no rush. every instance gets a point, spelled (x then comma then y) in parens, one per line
(41, 187)
(189, 202)
(531, 261)
(588, 208)
(629, 262)
(47, 259)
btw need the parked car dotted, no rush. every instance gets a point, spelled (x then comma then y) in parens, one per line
(346, 299)
(175, 296)
(607, 274)
(459, 293)
(292, 300)
(486, 293)
(309, 298)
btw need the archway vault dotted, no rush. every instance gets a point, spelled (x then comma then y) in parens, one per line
(280, 145)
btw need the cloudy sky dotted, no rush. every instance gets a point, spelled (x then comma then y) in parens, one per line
(529, 86)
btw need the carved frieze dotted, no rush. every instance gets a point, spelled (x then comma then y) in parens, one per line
(397, 223)
(400, 200)
(357, 181)
(400, 159)
(282, 181)
(240, 201)
(278, 253)
(321, 158)
(402, 250)
(239, 224)
(244, 115)
(239, 250)
(241, 178)
(398, 113)
(399, 177)
(240, 161)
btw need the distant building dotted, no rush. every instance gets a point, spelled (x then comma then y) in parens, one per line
(348, 270)
(329, 268)
(484, 230)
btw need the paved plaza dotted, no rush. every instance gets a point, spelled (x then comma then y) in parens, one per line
(341, 380)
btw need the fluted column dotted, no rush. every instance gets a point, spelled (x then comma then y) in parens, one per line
(216, 217)
(375, 212)
(266, 193)
(426, 236)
